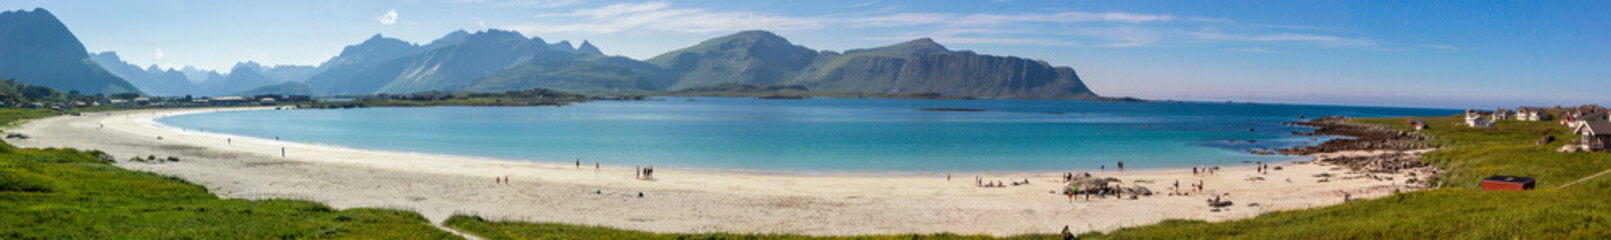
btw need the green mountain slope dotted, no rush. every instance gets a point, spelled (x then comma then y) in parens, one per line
(751, 57)
(918, 66)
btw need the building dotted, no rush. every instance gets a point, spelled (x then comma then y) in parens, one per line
(1504, 114)
(1507, 183)
(1596, 134)
(266, 101)
(1476, 118)
(229, 101)
(1531, 114)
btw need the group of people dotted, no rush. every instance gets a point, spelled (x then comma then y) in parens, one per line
(1264, 168)
(501, 180)
(646, 173)
(980, 182)
(1204, 169)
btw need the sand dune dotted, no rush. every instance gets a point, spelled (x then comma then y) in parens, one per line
(678, 200)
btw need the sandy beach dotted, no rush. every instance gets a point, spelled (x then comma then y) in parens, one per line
(680, 200)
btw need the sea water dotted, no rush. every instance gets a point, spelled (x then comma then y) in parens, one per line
(818, 134)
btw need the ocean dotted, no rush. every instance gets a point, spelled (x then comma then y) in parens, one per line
(815, 135)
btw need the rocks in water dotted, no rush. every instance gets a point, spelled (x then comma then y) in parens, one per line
(1363, 137)
(16, 136)
(173, 159)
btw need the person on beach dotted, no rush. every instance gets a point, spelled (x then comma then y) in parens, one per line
(948, 177)
(578, 163)
(1067, 235)
(1121, 166)
(1177, 186)
(1194, 171)
(1200, 185)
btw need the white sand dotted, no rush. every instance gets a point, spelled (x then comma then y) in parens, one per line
(438, 186)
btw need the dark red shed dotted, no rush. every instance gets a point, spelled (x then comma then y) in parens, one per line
(1506, 183)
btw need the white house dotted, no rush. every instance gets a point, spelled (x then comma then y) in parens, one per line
(1504, 114)
(1596, 134)
(1478, 119)
(1531, 114)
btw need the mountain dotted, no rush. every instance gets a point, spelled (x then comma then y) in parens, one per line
(446, 64)
(754, 57)
(336, 75)
(917, 66)
(496, 60)
(287, 88)
(925, 66)
(571, 76)
(288, 73)
(563, 46)
(243, 77)
(588, 48)
(152, 80)
(37, 49)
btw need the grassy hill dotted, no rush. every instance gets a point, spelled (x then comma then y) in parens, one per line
(1459, 209)
(73, 194)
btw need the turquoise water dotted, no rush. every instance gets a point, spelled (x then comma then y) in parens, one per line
(872, 135)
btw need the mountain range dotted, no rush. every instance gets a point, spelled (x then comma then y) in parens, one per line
(495, 60)
(37, 49)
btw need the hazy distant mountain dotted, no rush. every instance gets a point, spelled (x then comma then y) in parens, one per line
(563, 45)
(36, 49)
(588, 48)
(287, 88)
(152, 80)
(285, 73)
(241, 78)
(918, 66)
(566, 75)
(336, 75)
(197, 76)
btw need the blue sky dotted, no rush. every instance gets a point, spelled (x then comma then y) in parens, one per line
(1459, 54)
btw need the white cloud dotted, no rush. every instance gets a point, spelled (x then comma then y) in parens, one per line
(864, 4)
(1439, 47)
(537, 3)
(482, 23)
(389, 18)
(158, 54)
(1324, 40)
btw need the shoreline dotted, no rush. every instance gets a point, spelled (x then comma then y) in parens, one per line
(679, 200)
(737, 171)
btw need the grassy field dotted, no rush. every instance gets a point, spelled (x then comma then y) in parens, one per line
(1460, 209)
(72, 194)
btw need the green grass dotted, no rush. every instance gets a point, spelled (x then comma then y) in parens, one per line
(72, 194)
(1460, 209)
(523, 230)
(1509, 148)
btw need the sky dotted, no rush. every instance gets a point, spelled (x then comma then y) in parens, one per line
(1453, 54)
